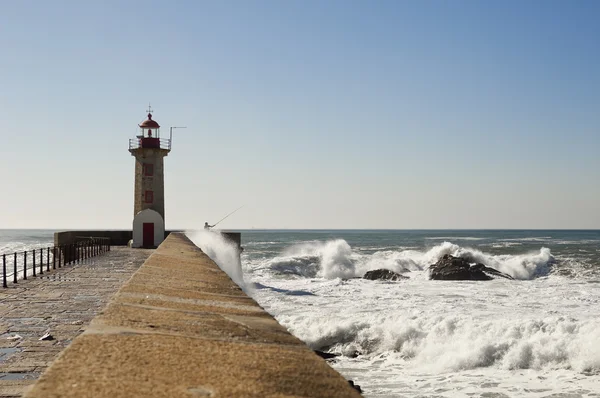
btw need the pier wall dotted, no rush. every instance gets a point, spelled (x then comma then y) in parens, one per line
(181, 328)
(118, 237)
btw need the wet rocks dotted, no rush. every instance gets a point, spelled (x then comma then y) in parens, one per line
(325, 355)
(450, 268)
(355, 386)
(383, 275)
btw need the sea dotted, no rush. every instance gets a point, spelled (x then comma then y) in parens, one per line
(535, 336)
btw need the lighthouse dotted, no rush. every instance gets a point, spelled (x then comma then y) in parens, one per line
(149, 150)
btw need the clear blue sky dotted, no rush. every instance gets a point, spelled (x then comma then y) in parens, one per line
(312, 114)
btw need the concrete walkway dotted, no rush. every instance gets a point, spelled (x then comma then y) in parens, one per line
(181, 328)
(61, 302)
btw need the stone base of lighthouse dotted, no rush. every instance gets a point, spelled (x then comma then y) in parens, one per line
(148, 229)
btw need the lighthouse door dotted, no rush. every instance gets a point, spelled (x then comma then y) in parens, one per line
(148, 240)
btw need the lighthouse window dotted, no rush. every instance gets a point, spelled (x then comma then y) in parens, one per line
(149, 197)
(148, 169)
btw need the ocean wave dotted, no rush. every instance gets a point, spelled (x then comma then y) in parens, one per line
(222, 251)
(530, 239)
(455, 238)
(18, 246)
(459, 343)
(336, 259)
(577, 242)
(303, 266)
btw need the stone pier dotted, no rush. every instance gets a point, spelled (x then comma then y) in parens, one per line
(181, 328)
(62, 302)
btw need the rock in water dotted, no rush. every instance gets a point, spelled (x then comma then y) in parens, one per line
(384, 275)
(325, 355)
(355, 386)
(450, 268)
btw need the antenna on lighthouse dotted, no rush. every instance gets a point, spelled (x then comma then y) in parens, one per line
(171, 132)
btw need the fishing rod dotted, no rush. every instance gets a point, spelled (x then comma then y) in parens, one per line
(227, 215)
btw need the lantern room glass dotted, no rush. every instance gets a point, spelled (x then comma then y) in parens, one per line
(146, 132)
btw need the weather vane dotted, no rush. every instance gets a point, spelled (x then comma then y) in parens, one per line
(149, 108)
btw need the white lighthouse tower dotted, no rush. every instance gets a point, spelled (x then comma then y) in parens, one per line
(149, 150)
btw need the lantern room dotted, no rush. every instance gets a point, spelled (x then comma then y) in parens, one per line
(149, 128)
(149, 135)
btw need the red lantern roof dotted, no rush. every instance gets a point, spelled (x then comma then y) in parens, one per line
(149, 123)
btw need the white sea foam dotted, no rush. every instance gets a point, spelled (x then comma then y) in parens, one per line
(419, 337)
(336, 259)
(221, 251)
(505, 244)
(455, 238)
(530, 239)
(454, 343)
(435, 334)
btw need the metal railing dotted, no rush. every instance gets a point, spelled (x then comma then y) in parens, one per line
(15, 265)
(145, 142)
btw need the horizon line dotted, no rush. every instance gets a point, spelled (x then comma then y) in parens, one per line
(311, 229)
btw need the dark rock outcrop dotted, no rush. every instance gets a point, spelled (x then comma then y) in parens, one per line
(450, 268)
(384, 275)
(355, 386)
(325, 355)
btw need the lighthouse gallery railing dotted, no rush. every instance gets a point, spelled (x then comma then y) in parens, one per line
(146, 142)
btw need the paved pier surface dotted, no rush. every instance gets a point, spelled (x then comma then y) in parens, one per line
(62, 302)
(181, 328)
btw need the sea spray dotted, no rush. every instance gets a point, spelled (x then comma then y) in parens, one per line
(222, 251)
(336, 259)
(533, 337)
(454, 343)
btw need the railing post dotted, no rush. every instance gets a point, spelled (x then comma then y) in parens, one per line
(25, 265)
(53, 257)
(48, 259)
(15, 269)
(33, 264)
(41, 261)
(4, 284)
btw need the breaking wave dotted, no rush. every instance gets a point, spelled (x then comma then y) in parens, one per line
(336, 259)
(459, 343)
(223, 252)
